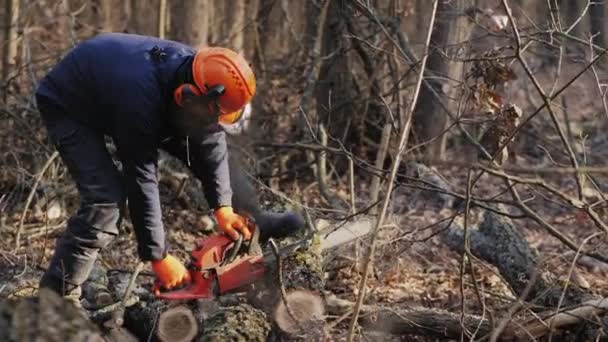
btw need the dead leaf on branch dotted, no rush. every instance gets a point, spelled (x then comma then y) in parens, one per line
(498, 130)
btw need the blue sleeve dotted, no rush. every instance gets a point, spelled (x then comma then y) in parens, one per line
(137, 142)
(207, 157)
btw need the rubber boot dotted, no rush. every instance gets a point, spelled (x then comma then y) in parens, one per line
(278, 225)
(245, 200)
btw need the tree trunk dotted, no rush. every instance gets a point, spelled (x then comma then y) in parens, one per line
(235, 24)
(189, 22)
(430, 121)
(596, 21)
(10, 33)
(116, 14)
(145, 17)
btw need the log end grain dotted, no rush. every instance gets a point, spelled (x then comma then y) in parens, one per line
(307, 308)
(177, 324)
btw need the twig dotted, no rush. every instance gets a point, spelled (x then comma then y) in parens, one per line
(402, 144)
(506, 319)
(580, 17)
(277, 255)
(546, 98)
(567, 282)
(380, 158)
(118, 315)
(353, 206)
(31, 196)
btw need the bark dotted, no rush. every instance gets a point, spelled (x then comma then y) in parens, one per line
(145, 18)
(116, 14)
(300, 315)
(235, 24)
(236, 323)
(47, 316)
(411, 320)
(498, 242)
(334, 90)
(10, 33)
(301, 286)
(430, 120)
(596, 21)
(190, 21)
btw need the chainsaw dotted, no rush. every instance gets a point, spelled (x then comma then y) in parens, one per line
(219, 264)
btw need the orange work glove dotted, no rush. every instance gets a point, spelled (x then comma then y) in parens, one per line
(230, 222)
(170, 272)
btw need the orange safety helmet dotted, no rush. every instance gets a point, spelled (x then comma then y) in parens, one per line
(214, 66)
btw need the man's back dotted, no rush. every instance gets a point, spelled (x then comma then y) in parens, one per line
(111, 77)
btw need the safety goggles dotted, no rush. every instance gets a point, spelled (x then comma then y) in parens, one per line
(212, 95)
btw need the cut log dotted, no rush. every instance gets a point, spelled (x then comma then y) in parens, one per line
(412, 320)
(299, 309)
(298, 306)
(498, 242)
(145, 316)
(47, 317)
(177, 324)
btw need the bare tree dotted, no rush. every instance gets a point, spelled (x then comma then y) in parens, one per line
(235, 24)
(430, 120)
(596, 20)
(190, 21)
(146, 18)
(10, 51)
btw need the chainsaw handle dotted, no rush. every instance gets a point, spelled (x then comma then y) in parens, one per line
(234, 251)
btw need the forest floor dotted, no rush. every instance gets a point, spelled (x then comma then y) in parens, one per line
(412, 266)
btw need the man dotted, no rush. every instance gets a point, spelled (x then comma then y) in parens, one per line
(146, 94)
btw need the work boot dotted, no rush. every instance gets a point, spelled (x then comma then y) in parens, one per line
(71, 293)
(278, 225)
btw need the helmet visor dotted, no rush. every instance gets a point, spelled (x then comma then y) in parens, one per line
(231, 118)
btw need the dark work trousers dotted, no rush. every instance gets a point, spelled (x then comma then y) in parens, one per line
(102, 200)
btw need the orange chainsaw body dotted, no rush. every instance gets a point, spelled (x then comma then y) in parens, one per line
(214, 272)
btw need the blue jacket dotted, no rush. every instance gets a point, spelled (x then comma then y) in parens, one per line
(121, 85)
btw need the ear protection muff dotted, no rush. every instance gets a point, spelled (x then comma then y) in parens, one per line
(184, 91)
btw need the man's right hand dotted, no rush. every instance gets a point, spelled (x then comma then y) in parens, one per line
(170, 272)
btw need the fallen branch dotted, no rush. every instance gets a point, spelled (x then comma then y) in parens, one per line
(31, 196)
(579, 314)
(411, 320)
